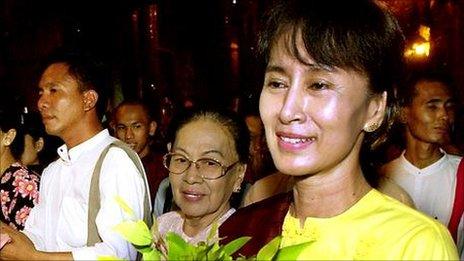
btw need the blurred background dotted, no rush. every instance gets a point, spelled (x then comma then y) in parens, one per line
(179, 52)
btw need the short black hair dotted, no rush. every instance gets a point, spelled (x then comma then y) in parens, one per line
(89, 72)
(361, 35)
(10, 118)
(407, 94)
(150, 108)
(33, 125)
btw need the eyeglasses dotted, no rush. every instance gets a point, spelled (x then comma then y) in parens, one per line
(208, 168)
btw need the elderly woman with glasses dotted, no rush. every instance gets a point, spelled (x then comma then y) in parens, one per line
(206, 163)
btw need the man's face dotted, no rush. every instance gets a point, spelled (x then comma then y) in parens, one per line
(431, 113)
(60, 103)
(133, 126)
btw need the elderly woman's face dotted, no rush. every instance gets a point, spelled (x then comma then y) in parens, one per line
(198, 197)
(313, 115)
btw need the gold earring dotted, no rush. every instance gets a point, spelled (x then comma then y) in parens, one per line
(371, 127)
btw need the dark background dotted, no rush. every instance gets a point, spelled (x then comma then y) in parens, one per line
(177, 52)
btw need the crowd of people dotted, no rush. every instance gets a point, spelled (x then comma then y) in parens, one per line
(304, 168)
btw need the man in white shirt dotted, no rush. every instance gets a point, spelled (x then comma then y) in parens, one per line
(423, 169)
(71, 101)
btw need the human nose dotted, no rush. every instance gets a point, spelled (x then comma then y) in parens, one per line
(129, 133)
(192, 174)
(293, 104)
(444, 114)
(43, 102)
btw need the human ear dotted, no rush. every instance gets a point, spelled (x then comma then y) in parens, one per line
(9, 137)
(112, 125)
(403, 115)
(153, 127)
(240, 176)
(376, 112)
(90, 99)
(39, 145)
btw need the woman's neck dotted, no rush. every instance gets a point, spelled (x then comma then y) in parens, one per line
(329, 194)
(194, 225)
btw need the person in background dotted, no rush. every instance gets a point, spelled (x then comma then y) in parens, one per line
(19, 186)
(425, 170)
(331, 68)
(133, 123)
(258, 149)
(63, 226)
(207, 161)
(39, 147)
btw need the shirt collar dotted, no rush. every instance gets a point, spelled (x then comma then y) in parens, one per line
(429, 169)
(73, 154)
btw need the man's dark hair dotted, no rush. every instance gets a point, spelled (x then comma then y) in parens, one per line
(88, 71)
(151, 109)
(407, 94)
(360, 35)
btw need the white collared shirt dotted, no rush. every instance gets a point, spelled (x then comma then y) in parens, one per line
(59, 221)
(431, 188)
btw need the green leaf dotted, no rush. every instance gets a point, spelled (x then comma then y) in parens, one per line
(235, 245)
(291, 252)
(143, 249)
(122, 203)
(178, 249)
(215, 252)
(152, 255)
(268, 251)
(109, 258)
(135, 232)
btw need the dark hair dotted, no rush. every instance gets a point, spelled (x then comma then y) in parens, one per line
(32, 124)
(149, 109)
(407, 94)
(88, 71)
(11, 119)
(230, 120)
(359, 35)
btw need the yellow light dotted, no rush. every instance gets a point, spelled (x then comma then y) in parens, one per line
(424, 31)
(421, 47)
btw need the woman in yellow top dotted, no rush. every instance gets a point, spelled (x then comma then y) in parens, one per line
(331, 67)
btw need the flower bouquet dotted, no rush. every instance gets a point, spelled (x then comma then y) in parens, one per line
(172, 246)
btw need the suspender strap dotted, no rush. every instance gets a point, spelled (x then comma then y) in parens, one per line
(458, 207)
(94, 194)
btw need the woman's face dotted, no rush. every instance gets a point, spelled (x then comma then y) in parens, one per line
(313, 115)
(195, 196)
(31, 149)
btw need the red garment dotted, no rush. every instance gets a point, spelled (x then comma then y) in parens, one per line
(153, 164)
(458, 206)
(261, 221)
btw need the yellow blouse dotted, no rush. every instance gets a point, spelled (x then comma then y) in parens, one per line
(377, 227)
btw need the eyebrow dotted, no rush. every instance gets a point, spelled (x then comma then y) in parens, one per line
(437, 100)
(213, 151)
(311, 67)
(204, 153)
